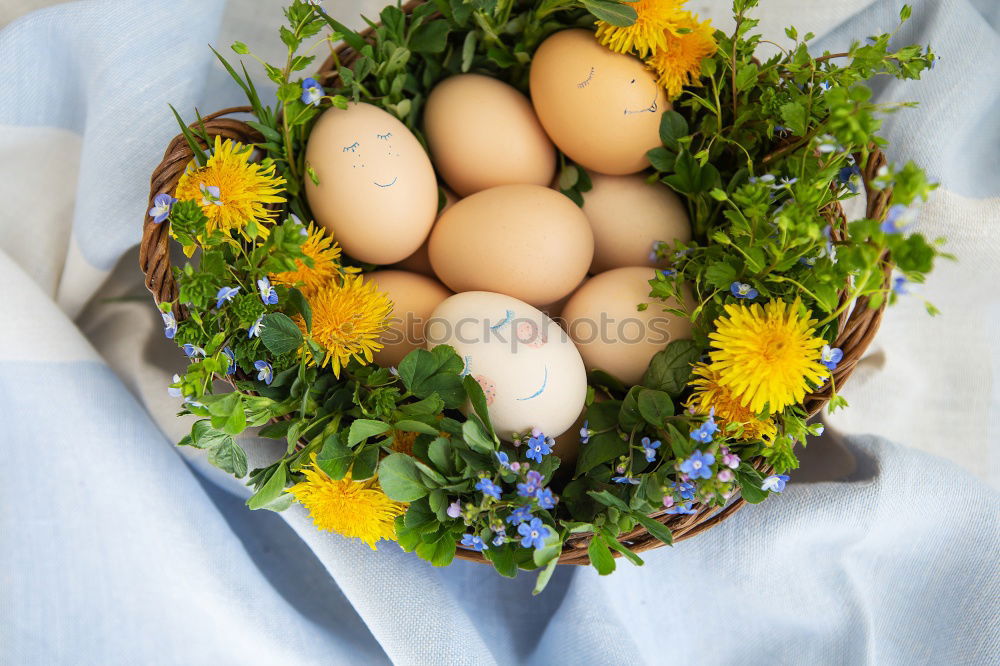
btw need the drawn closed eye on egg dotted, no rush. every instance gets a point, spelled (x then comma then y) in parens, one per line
(586, 82)
(353, 148)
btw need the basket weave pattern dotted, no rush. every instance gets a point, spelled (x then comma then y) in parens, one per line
(857, 325)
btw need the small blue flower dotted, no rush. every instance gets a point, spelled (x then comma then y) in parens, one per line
(846, 176)
(819, 429)
(780, 128)
(169, 325)
(533, 533)
(503, 459)
(698, 466)
(666, 273)
(684, 490)
(162, 203)
(703, 433)
(500, 539)
(231, 370)
(174, 391)
(585, 433)
(625, 479)
(898, 286)
(192, 350)
(683, 509)
(474, 542)
(531, 486)
(454, 509)
(265, 372)
(786, 182)
(267, 293)
(312, 92)
(650, 448)
(520, 515)
(256, 328)
(538, 446)
(210, 195)
(487, 487)
(225, 295)
(824, 85)
(898, 219)
(830, 357)
(545, 498)
(775, 483)
(654, 253)
(743, 290)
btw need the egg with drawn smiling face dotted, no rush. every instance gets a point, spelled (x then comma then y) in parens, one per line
(376, 191)
(529, 369)
(600, 108)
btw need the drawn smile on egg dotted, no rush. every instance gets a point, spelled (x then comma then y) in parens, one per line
(652, 108)
(541, 390)
(358, 164)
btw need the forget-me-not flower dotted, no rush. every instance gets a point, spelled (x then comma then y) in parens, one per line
(267, 293)
(162, 203)
(684, 489)
(649, 448)
(210, 195)
(625, 479)
(531, 486)
(743, 290)
(585, 433)
(312, 92)
(520, 515)
(899, 285)
(704, 432)
(533, 533)
(231, 369)
(775, 483)
(683, 509)
(474, 542)
(538, 446)
(192, 350)
(503, 459)
(265, 372)
(830, 357)
(545, 498)
(169, 324)
(454, 509)
(698, 466)
(256, 328)
(487, 487)
(225, 295)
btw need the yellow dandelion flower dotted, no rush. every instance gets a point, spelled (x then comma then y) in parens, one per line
(648, 33)
(325, 269)
(709, 393)
(232, 190)
(678, 62)
(348, 319)
(356, 509)
(766, 356)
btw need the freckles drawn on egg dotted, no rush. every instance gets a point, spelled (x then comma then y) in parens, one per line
(489, 388)
(361, 163)
(528, 333)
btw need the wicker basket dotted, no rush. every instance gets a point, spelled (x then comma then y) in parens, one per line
(857, 325)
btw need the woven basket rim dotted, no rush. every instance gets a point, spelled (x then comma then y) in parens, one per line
(857, 325)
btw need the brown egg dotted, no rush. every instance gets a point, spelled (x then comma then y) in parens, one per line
(377, 193)
(601, 108)
(414, 298)
(420, 261)
(611, 334)
(628, 215)
(525, 241)
(483, 133)
(555, 309)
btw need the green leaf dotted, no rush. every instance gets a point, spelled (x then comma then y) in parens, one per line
(655, 407)
(272, 491)
(629, 416)
(602, 447)
(611, 11)
(426, 372)
(468, 50)
(656, 528)
(750, 482)
(298, 304)
(439, 552)
(365, 462)
(229, 457)
(617, 545)
(720, 274)
(544, 576)
(362, 429)
(227, 413)
(335, 458)
(550, 551)
(280, 334)
(746, 76)
(673, 127)
(662, 159)
(416, 426)
(476, 437)
(670, 369)
(439, 453)
(600, 555)
(794, 115)
(503, 560)
(607, 499)
(400, 479)
(431, 37)
(478, 400)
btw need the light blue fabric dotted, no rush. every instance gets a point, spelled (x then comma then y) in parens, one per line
(115, 549)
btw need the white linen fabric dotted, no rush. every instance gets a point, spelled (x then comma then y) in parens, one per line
(118, 548)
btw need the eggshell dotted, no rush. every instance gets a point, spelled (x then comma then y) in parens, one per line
(601, 108)
(526, 241)
(530, 370)
(377, 192)
(611, 334)
(414, 298)
(484, 133)
(628, 215)
(420, 261)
